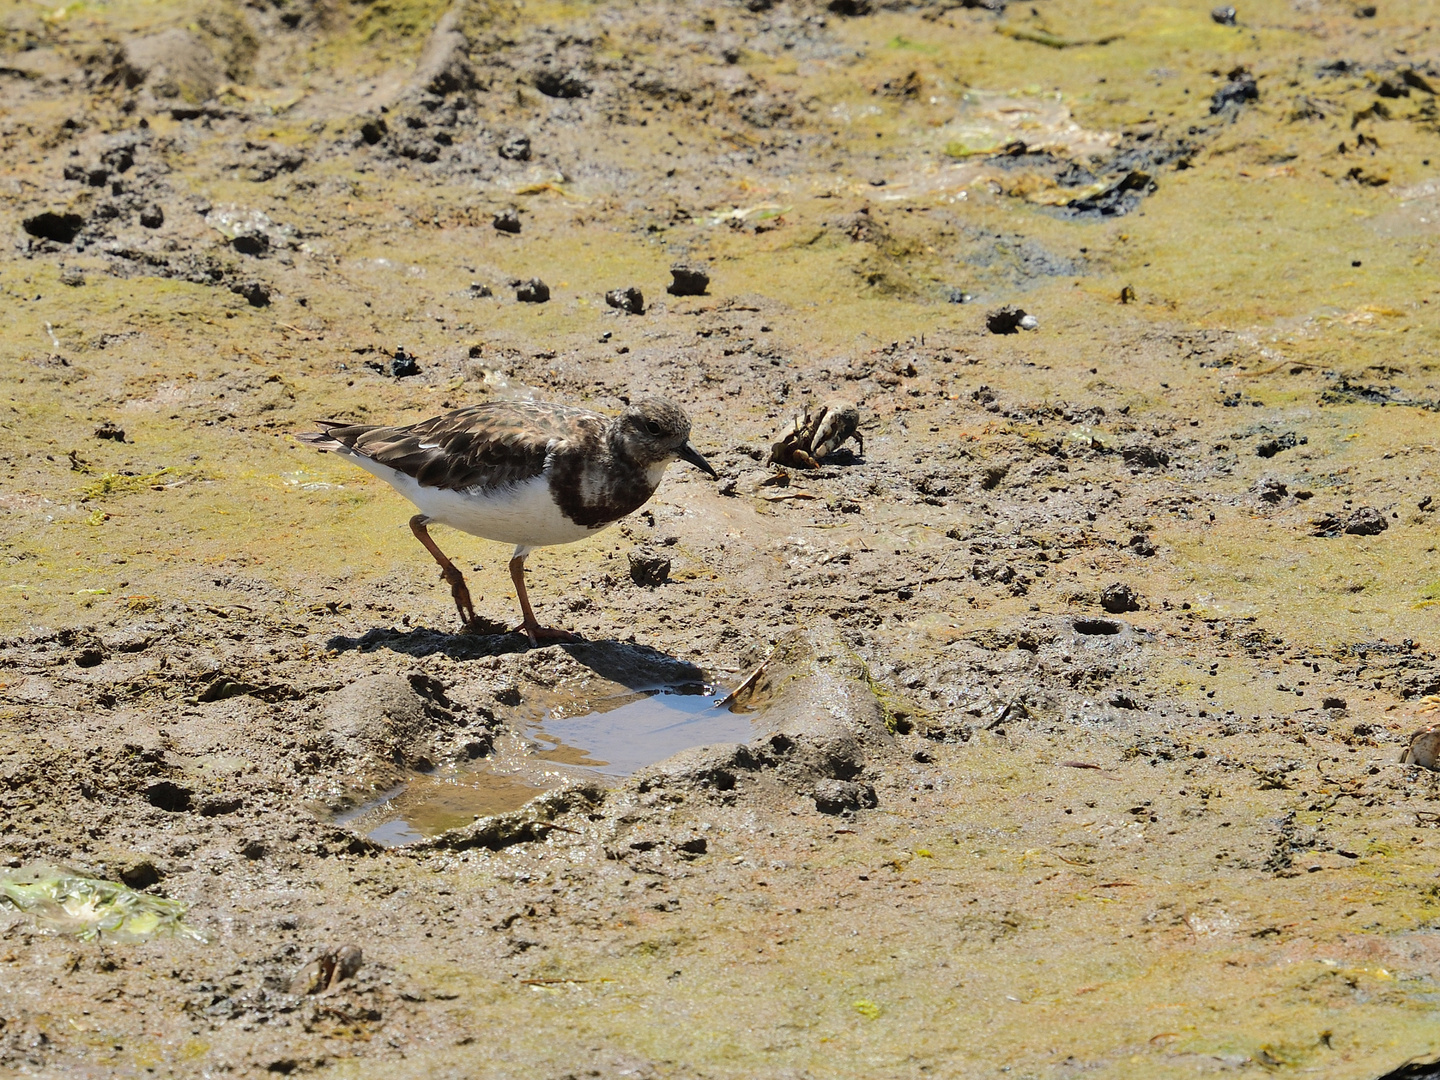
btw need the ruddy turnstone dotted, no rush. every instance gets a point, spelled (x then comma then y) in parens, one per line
(522, 472)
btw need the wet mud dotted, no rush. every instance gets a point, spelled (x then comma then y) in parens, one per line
(1050, 713)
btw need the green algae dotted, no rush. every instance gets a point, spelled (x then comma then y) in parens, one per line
(91, 909)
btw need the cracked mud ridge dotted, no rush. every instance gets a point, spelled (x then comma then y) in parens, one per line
(1032, 693)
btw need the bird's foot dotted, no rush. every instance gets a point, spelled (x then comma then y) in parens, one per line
(547, 634)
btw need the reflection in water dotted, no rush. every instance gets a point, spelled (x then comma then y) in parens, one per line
(609, 738)
(627, 734)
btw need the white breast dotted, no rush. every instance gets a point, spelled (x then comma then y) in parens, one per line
(524, 514)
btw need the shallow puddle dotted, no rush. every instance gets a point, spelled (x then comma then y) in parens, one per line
(612, 737)
(428, 804)
(627, 733)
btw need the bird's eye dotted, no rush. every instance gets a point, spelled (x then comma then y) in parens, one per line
(652, 427)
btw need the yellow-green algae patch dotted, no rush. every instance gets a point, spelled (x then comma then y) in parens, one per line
(93, 910)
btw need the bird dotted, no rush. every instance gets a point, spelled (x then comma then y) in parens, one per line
(529, 473)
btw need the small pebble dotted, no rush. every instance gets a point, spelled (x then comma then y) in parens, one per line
(533, 291)
(628, 299)
(688, 280)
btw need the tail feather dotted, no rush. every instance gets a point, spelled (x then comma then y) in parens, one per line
(336, 436)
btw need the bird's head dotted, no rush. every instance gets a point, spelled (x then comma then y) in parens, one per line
(653, 432)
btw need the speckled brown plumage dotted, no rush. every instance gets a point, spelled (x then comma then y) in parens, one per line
(502, 443)
(529, 473)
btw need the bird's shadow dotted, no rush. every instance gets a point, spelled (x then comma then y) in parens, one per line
(637, 667)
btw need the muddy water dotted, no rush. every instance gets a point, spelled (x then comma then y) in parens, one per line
(611, 738)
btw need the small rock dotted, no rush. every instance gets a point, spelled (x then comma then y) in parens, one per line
(1366, 521)
(1119, 598)
(1288, 441)
(688, 279)
(1366, 11)
(533, 291)
(108, 429)
(838, 796)
(628, 299)
(1005, 320)
(141, 874)
(1141, 545)
(255, 292)
(1334, 703)
(959, 296)
(1270, 490)
(1225, 16)
(648, 568)
(516, 148)
(849, 8)
(72, 276)
(478, 290)
(1144, 456)
(152, 217)
(403, 365)
(507, 221)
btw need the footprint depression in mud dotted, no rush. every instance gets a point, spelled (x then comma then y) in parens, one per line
(610, 739)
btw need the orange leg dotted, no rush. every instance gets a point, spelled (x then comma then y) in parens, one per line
(533, 630)
(449, 572)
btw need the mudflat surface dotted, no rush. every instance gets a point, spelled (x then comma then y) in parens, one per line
(1122, 623)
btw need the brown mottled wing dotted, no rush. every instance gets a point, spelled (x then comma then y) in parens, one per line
(497, 444)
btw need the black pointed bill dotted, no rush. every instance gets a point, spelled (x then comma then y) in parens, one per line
(690, 454)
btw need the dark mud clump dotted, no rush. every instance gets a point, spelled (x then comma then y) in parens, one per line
(688, 279)
(1240, 89)
(61, 227)
(1119, 598)
(1119, 198)
(1007, 320)
(515, 148)
(630, 300)
(1288, 441)
(532, 291)
(403, 365)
